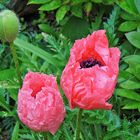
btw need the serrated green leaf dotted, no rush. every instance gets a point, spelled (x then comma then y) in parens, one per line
(54, 4)
(61, 12)
(134, 38)
(128, 26)
(4, 104)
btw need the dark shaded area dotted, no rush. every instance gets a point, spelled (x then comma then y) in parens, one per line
(21, 7)
(90, 63)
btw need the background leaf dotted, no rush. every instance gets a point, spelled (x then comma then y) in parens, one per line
(133, 38)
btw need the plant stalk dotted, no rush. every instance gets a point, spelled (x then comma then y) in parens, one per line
(15, 58)
(78, 124)
(46, 136)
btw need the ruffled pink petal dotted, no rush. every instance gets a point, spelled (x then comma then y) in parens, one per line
(43, 111)
(90, 88)
(93, 46)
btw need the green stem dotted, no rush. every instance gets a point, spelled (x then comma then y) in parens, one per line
(46, 136)
(15, 58)
(78, 124)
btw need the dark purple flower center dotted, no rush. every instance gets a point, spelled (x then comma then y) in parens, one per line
(90, 63)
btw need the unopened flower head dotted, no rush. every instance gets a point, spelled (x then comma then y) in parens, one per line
(9, 26)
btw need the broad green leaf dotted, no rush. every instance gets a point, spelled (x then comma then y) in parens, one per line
(134, 64)
(123, 76)
(37, 51)
(134, 38)
(132, 105)
(136, 70)
(131, 4)
(38, 1)
(7, 74)
(129, 84)
(108, 2)
(137, 3)
(126, 49)
(15, 132)
(54, 4)
(77, 11)
(130, 94)
(128, 26)
(97, 1)
(76, 2)
(61, 12)
(47, 29)
(128, 5)
(131, 17)
(131, 59)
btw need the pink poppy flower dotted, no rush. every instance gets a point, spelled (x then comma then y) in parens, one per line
(40, 105)
(89, 78)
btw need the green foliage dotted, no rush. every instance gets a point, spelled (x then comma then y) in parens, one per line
(131, 14)
(45, 47)
(72, 31)
(133, 38)
(130, 84)
(110, 26)
(132, 95)
(76, 7)
(15, 131)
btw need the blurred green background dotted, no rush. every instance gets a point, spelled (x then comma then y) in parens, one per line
(48, 29)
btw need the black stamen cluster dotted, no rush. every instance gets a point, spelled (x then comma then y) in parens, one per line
(90, 63)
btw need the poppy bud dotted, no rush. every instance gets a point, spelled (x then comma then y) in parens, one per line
(40, 105)
(9, 26)
(88, 8)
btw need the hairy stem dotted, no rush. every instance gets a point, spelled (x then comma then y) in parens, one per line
(46, 136)
(78, 124)
(15, 58)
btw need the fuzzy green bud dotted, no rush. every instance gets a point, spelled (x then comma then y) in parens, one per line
(9, 26)
(88, 8)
